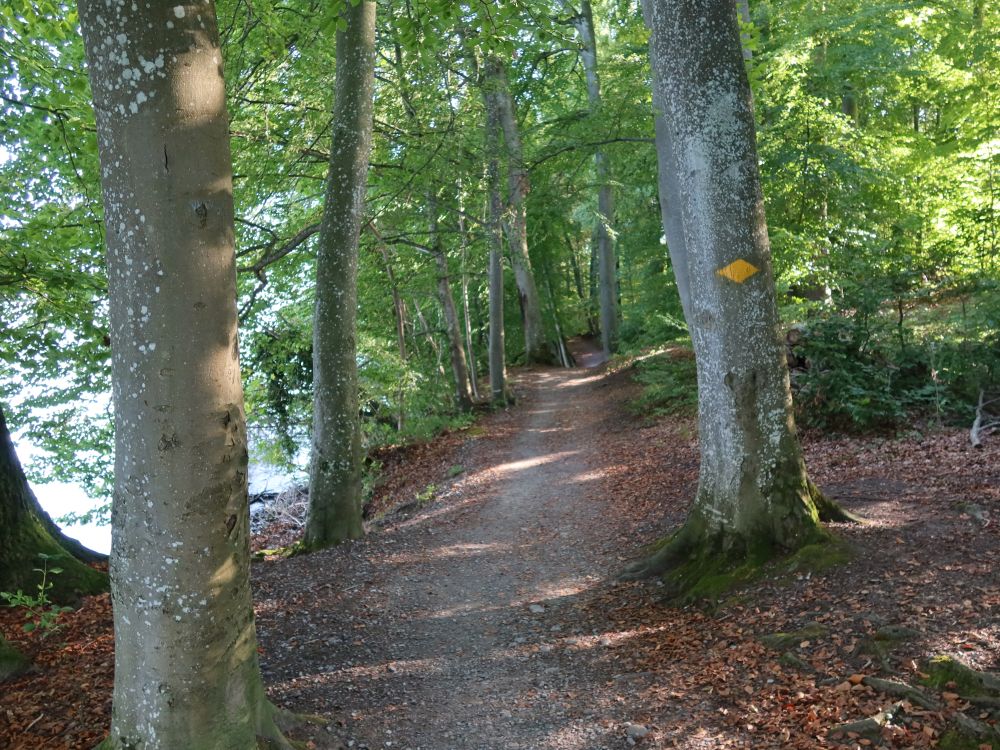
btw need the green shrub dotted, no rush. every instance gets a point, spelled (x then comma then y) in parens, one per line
(872, 369)
(670, 384)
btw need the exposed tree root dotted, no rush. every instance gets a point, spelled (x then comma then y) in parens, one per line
(668, 553)
(277, 722)
(870, 726)
(829, 510)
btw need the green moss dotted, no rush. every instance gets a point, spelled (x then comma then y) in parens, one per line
(709, 575)
(818, 557)
(12, 661)
(947, 672)
(76, 579)
(955, 739)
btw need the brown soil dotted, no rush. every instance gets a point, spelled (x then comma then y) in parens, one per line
(490, 617)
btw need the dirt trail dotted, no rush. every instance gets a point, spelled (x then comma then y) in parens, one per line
(491, 619)
(455, 634)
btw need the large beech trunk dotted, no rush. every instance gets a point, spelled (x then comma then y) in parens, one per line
(602, 236)
(26, 531)
(754, 497)
(186, 669)
(497, 352)
(335, 512)
(536, 347)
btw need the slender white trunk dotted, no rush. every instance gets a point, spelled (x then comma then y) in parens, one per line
(463, 398)
(467, 317)
(399, 310)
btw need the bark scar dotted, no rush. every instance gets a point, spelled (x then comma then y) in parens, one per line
(201, 211)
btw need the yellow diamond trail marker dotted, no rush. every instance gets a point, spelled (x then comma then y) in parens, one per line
(738, 271)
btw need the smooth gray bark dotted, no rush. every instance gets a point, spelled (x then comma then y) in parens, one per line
(466, 312)
(456, 349)
(335, 469)
(602, 235)
(497, 352)
(536, 346)
(753, 491)
(186, 670)
(399, 310)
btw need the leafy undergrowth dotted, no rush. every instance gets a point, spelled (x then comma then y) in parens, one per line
(64, 700)
(922, 583)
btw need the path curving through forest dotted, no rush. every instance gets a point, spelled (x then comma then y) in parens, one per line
(490, 618)
(454, 627)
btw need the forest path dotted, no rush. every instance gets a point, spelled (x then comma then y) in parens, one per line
(490, 618)
(458, 627)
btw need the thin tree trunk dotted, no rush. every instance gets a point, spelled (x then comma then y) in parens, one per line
(463, 398)
(429, 334)
(497, 352)
(593, 275)
(564, 357)
(186, 669)
(537, 350)
(743, 11)
(470, 349)
(26, 531)
(581, 291)
(399, 313)
(335, 512)
(603, 238)
(753, 492)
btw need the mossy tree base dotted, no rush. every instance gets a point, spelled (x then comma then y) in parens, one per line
(271, 727)
(697, 564)
(26, 532)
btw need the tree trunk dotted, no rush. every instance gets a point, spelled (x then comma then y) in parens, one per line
(335, 468)
(537, 349)
(429, 335)
(26, 531)
(186, 669)
(463, 398)
(399, 310)
(497, 352)
(586, 301)
(466, 312)
(754, 498)
(602, 237)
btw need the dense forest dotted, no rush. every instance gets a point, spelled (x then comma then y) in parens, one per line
(297, 234)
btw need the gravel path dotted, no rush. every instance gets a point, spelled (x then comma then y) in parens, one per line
(453, 628)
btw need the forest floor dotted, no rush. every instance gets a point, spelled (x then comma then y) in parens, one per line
(483, 610)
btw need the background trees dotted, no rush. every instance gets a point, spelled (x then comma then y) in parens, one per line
(877, 136)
